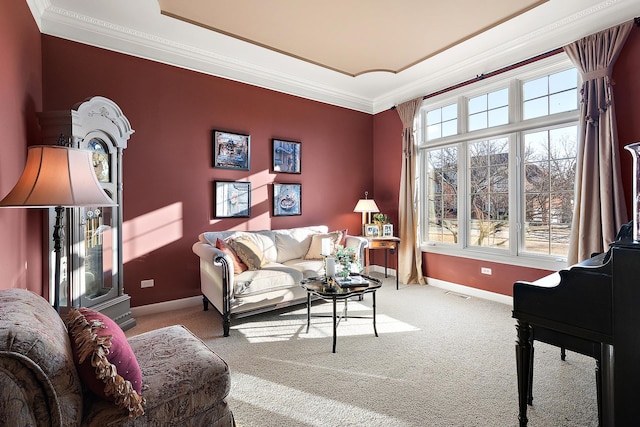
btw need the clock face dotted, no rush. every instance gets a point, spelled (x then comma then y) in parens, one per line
(100, 160)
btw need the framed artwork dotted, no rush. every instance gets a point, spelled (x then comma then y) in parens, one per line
(286, 156)
(387, 230)
(233, 199)
(230, 150)
(372, 230)
(287, 199)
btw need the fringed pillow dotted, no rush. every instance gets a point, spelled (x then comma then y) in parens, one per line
(238, 265)
(105, 361)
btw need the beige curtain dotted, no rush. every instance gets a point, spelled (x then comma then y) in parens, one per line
(410, 255)
(599, 208)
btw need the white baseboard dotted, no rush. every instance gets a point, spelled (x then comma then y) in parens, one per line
(473, 292)
(380, 269)
(161, 307)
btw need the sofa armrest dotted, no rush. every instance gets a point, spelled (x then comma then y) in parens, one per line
(216, 272)
(27, 396)
(358, 243)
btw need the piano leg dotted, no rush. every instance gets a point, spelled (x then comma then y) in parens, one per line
(523, 366)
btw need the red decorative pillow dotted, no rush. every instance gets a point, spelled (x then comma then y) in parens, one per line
(105, 361)
(238, 265)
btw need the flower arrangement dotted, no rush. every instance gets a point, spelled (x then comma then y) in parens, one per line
(346, 257)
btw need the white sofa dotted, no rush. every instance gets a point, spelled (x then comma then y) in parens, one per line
(276, 283)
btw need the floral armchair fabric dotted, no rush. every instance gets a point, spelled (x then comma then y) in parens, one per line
(184, 382)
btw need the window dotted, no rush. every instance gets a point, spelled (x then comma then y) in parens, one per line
(498, 183)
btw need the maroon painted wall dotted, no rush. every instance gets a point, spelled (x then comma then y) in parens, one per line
(387, 164)
(21, 231)
(626, 90)
(168, 173)
(388, 144)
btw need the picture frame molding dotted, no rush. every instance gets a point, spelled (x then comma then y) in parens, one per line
(218, 159)
(223, 200)
(372, 230)
(277, 200)
(277, 157)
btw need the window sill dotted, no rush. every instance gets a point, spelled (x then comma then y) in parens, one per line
(528, 261)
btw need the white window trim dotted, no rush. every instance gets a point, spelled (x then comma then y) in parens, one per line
(513, 255)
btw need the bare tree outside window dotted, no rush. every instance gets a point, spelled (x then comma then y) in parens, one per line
(549, 176)
(442, 172)
(489, 193)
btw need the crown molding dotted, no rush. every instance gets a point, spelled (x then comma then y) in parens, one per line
(478, 60)
(74, 26)
(457, 64)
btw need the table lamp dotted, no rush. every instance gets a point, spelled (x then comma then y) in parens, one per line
(366, 206)
(57, 177)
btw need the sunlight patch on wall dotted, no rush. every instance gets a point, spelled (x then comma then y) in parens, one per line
(151, 231)
(261, 188)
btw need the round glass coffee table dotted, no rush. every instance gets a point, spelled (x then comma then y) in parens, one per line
(332, 290)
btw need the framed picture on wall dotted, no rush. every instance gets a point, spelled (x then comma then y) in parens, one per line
(286, 157)
(287, 199)
(387, 230)
(230, 150)
(372, 230)
(232, 199)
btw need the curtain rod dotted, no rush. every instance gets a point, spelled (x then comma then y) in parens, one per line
(502, 70)
(483, 76)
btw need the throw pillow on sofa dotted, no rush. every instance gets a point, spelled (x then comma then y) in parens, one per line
(315, 249)
(105, 361)
(248, 251)
(238, 265)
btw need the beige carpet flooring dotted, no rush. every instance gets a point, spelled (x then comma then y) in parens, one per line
(440, 360)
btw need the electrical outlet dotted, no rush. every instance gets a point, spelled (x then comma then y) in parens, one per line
(485, 270)
(147, 283)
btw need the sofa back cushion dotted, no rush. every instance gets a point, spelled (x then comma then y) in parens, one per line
(33, 336)
(275, 245)
(293, 243)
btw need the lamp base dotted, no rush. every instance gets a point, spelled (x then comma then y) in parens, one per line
(57, 247)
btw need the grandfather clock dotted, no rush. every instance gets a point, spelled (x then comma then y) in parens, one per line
(92, 273)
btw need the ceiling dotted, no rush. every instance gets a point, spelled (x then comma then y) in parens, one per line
(358, 54)
(352, 37)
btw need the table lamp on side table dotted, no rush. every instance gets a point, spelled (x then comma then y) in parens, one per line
(57, 177)
(366, 206)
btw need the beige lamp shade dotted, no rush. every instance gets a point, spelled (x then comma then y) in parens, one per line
(57, 176)
(366, 206)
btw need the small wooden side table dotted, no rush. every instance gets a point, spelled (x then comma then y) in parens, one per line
(388, 244)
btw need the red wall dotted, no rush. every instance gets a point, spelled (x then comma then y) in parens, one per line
(388, 145)
(21, 231)
(168, 177)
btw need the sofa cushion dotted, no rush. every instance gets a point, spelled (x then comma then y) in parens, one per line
(106, 363)
(238, 265)
(269, 278)
(248, 251)
(293, 243)
(315, 248)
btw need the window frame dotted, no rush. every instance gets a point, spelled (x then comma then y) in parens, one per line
(516, 126)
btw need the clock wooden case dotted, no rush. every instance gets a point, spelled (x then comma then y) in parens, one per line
(92, 263)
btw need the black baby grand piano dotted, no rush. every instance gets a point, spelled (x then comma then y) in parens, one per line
(592, 308)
